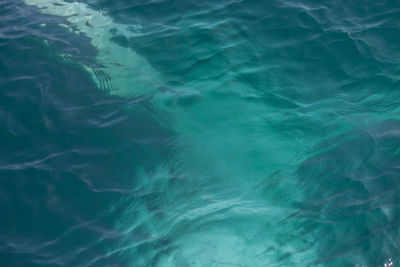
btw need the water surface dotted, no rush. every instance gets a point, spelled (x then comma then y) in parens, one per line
(199, 133)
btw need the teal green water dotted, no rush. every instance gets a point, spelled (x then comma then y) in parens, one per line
(199, 133)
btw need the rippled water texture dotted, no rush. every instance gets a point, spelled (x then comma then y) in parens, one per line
(199, 133)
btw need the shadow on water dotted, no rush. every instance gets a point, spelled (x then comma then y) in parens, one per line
(70, 152)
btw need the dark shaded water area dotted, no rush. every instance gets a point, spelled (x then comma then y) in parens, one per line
(68, 152)
(187, 133)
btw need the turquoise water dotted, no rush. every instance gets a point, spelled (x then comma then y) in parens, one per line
(199, 133)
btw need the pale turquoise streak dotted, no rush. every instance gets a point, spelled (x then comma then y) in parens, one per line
(131, 74)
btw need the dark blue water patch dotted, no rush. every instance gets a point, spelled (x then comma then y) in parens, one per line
(70, 152)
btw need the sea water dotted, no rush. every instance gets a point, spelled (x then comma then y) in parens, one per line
(199, 133)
